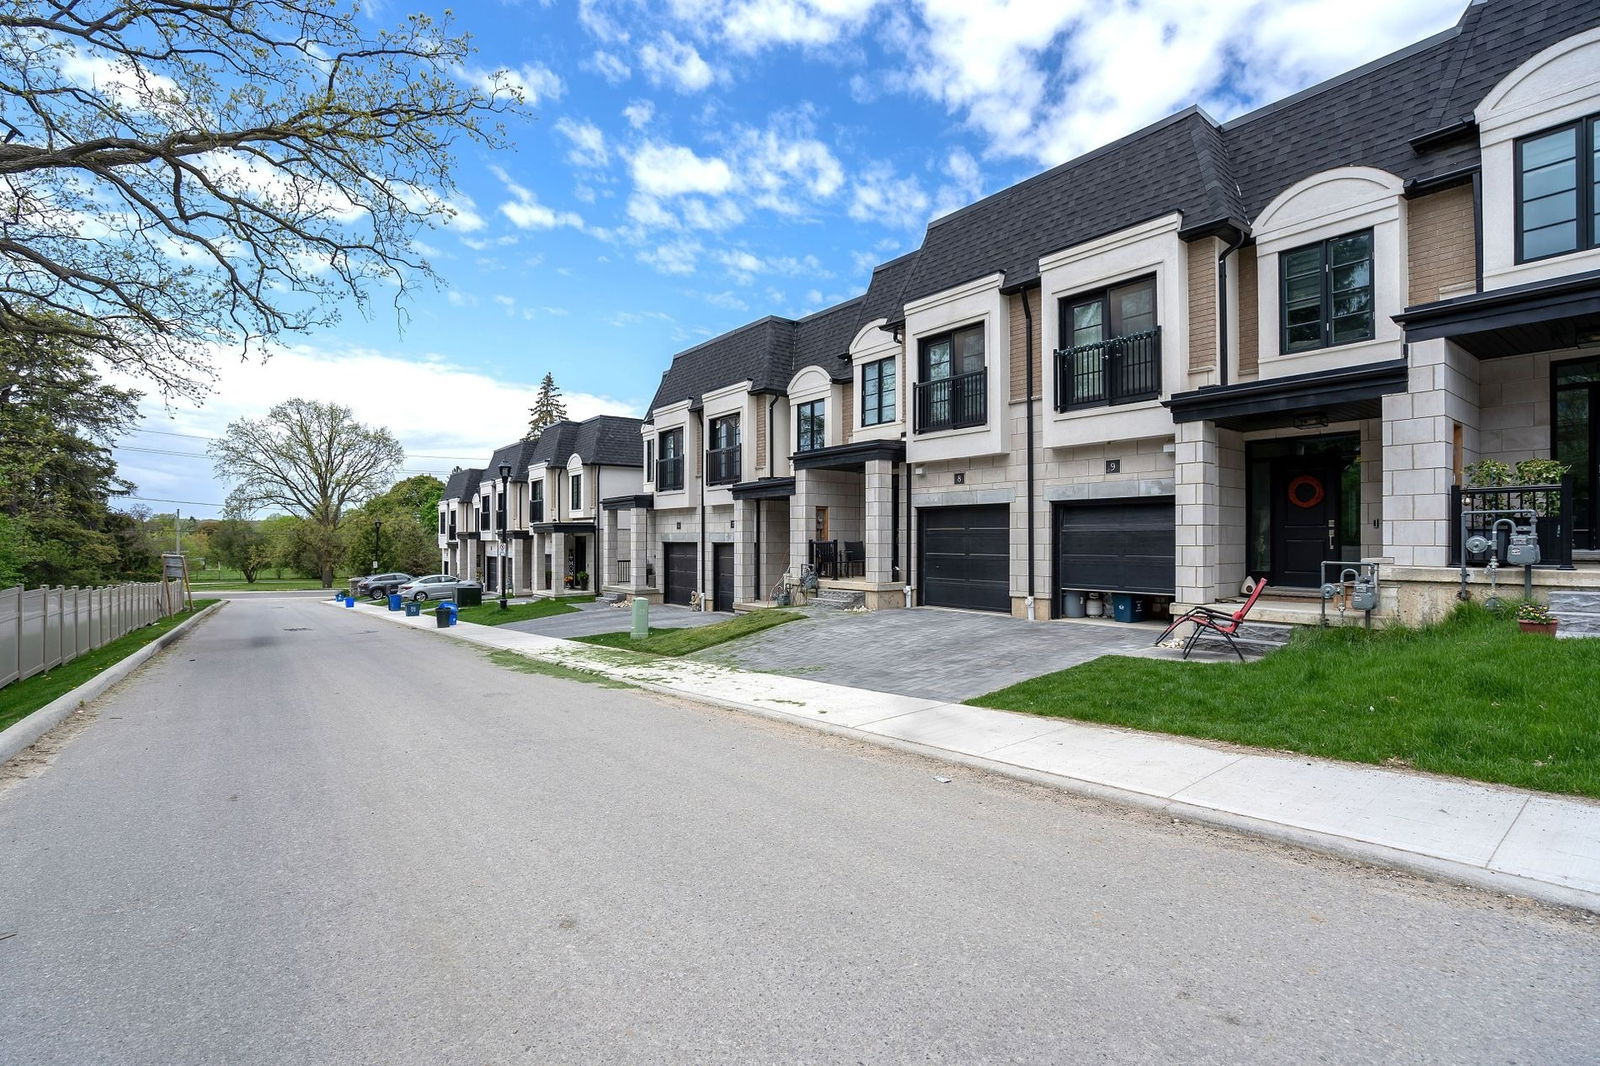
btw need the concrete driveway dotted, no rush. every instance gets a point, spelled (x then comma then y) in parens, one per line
(928, 651)
(601, 617)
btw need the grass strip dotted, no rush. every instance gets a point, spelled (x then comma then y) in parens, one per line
(695, 638)
(1470, 696)
(512, 660)
(490, 614)
(21, 699)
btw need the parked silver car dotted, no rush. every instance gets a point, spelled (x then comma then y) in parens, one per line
(435, 587)
(381, 584)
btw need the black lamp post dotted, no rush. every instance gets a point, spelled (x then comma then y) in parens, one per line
(505, 478)
(377, 542)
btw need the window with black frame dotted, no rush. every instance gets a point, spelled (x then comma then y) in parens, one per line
(810, 422)
(952, 392)
(649, 461)
(1325, 293)
(878, 392)
(536, 500)
(1558, 190)
(1112, 347)
(669, 468)
(722, 458)
(577, 492)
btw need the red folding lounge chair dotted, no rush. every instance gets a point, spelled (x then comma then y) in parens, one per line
(1226, 624)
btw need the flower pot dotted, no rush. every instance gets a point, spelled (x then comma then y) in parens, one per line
(1547, 628)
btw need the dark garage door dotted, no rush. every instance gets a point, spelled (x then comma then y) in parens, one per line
(1116, 547)
(679, 572)
(966, 557)
(722, 576)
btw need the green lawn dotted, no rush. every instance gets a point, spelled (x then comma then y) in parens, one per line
(288, 584)
(1471, 696)
(21, 699)
(490, 614)
(695, 638)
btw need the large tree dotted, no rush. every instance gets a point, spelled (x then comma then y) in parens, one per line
(548, 407)
(312, 460)
(186, 174)
(407, 536)
(57, 478)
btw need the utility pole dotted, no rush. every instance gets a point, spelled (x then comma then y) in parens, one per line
(177, 535)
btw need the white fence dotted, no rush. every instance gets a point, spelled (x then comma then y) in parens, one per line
(42, 628)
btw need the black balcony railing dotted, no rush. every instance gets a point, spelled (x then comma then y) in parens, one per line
(952, 403)
(722, 465)
(669, 474)
(1552, 504)
(452, 531)
(1120, 370)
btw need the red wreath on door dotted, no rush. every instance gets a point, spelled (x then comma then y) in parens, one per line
(1318, 493)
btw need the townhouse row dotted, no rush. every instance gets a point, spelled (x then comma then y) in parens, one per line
(1267, 348)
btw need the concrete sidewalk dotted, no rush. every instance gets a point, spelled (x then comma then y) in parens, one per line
(1525, 843)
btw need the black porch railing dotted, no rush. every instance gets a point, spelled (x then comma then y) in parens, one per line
(839, 559)
(669, 473)
(722, 465)
(1120, 370)
(1553, 525)
(952, 403)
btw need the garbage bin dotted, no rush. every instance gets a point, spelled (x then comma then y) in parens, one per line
(413, 609)
(1126, 608)
(395, 601)
(469, 597)
(444, 614)
(1072, 604)
(349, 601)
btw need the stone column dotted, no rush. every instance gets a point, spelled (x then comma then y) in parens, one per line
(1198, 511)
(608, 546)
(878, 485)
(558, 562)
(744, 549)
(802, 519)
(639, 549)
(1418, 452)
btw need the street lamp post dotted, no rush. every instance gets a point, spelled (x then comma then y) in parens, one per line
(377, 542)
(505, 479)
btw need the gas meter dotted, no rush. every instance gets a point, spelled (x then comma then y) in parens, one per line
(1522, 549)
(1364, 596)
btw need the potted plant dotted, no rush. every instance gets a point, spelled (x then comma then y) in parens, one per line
(1536, 618)
(580, 580)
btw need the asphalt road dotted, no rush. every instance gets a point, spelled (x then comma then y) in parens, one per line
(304, 836)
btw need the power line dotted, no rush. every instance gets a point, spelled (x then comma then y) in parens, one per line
(155, 499)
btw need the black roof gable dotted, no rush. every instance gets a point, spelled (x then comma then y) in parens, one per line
(823, 339)
(759, 353)
(610, 440)
(462, 483)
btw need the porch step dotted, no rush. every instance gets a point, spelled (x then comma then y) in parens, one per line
(841, 599)
(1578, 610)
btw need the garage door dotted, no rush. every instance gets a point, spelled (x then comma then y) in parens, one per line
(1116, 547)
(679, 573)
(722, 577)
(966, 557)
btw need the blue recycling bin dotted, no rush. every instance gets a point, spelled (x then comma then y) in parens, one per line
(413, 610)
(1126, 608)
(451, 606)
(349, 601)
(395, 601)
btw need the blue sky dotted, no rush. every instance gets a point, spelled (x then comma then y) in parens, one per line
(691, 165)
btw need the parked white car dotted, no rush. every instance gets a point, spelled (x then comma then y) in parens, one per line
(435, 587)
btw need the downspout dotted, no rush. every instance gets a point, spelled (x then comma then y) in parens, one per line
(700, 416)
(911, 559)
(757, 567)
(1222, 308)
(1027, 322)
(772, 432)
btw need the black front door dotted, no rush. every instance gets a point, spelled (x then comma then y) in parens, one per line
(722, 577)
(1305, 519)
(1575, 431)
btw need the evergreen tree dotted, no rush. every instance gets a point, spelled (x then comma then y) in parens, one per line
(548, 408)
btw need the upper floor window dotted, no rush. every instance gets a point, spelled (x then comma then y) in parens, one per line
(577, 492)
(483, 514)
(649, 460)
(810, 421)
(441, 521)
(536, 500)
(669, 468)
(1325, 292)
(1558, 191)
(500, 509)
(952, 392)
(722, 458)
(877, 392)
(1112, 347)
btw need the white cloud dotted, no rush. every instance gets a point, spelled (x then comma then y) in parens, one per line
(588, 143)
(610, 67)
(675, 257)
(673, 170)
(881, 196)
(754, 24)
(743, 265)
(533, 81)
(787, 156)
(526, 212)
(725, 300)
(639, 113)
(670, 61)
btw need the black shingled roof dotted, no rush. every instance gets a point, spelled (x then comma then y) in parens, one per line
(823, 338)
(1227, 174)
(611, 440)
(462, 483)
(517, 454)
(883, 292)
(759, 353)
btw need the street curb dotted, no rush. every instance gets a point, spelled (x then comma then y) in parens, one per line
(24, 734)
(1429, 867)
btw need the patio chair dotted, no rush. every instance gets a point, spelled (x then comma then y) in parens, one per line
(853, 561)
(1205, 619)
